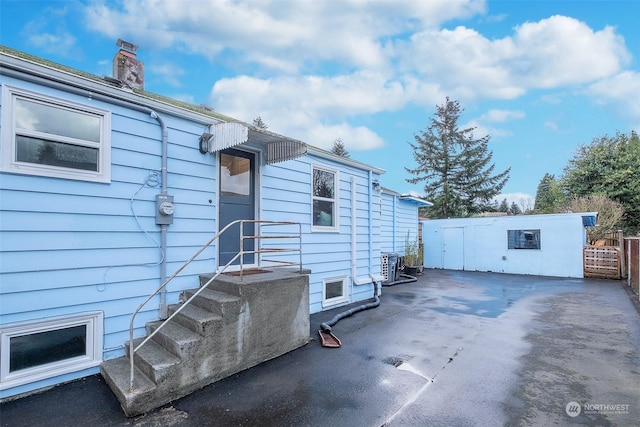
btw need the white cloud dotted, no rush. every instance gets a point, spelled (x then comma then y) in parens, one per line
(562, 50)
(167, 72)
(268, 32)
(481, 130)
(501, 116)
(465, 64)
(622, 92)
(495, 18)
(382, 55)
(373, 35)
(339, 96)
(550, 53)
(552, 98)
(353, 137)
(550, 124)
(313, 108)
(56, 39)
(483, 124)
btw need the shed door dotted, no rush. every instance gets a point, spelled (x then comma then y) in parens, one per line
(453, 248)
(237, 201)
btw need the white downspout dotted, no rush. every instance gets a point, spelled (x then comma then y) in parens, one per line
(354, 234)
(379, 277)
(354, 222)
(394, 224)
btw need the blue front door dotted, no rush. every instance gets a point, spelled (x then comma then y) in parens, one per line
(237, 201)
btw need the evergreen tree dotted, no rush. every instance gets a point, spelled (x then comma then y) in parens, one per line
(515, 209)
(455, 166)
(492, 207)
(504, 206)
(257, 122)
(548, 195)
(338, 148)
(608, 166)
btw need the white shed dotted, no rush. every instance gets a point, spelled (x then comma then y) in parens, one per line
(542, 245)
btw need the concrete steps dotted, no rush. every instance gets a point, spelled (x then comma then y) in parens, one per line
(215, 301)
(230, 326)
(196, 319)
(155, 362)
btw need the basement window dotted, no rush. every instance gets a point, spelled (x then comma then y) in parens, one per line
(53, 137)
(33, 351)
(334, 291)
(523, 239)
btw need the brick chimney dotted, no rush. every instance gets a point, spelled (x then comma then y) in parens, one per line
(126, 67)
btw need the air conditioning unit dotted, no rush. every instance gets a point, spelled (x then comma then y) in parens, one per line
(390, 265)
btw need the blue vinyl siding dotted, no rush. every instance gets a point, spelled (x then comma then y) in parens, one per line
(407, 222)
(387, 206)
(74, 246)
(286, 196)
(398, 217)
(71, 246)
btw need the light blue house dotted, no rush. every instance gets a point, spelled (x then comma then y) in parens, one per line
(399, 220)
(106, 190)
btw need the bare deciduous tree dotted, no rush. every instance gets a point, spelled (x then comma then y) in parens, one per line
(610, 214)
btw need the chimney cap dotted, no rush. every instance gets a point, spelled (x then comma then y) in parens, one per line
(127, 45)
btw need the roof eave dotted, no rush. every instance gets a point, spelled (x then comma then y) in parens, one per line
(318, 152)
(417, 200)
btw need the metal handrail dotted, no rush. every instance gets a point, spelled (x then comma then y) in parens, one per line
(260, 236)
(240, 255)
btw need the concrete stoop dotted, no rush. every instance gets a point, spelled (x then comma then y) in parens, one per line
(234, 324)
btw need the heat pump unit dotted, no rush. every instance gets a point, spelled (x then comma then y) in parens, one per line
(389, 263)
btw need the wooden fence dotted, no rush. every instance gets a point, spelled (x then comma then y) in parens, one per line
(602, 261)
(632, 251)
(614, 257)
(612, 238)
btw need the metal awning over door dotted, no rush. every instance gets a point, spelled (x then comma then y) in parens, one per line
(277, 147)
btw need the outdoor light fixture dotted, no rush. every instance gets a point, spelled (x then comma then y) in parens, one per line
(204, 142)
(376, 185)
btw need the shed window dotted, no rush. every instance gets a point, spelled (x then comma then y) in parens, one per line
(33, 351)
(523, 239)
(52, 137)
(324, 199)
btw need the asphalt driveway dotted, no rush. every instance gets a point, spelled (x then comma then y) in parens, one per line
(453, 348)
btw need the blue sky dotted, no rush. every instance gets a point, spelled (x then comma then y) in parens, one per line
(539, 77)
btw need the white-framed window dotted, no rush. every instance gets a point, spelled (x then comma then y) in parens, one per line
(523, 239)
(47, 136)
(324, 199)
(334, 291)
(36, 350)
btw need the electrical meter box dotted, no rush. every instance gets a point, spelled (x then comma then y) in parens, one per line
(164, 209)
